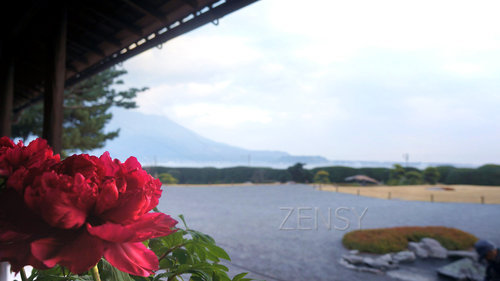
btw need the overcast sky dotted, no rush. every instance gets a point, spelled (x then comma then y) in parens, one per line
(348, 80)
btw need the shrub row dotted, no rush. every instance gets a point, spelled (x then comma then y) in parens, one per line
(386, 240)
(484, 175)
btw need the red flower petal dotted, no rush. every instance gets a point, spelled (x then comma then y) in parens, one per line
(76, 252)
(62, 201)
(107, 196)
(133, 258)
(19, 256)
(111, 232)
(152, 225)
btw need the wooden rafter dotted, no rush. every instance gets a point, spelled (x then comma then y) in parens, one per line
(88, 47)
(118, 22)
(99, 35)
(193, 3)
(148, 10)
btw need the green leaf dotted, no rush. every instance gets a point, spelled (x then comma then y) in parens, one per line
(240, 276)
(218, 251)
(111, 273)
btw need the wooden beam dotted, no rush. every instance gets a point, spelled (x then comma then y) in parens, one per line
(99, 35)
(87, 47)
(6, 93)
(54, 84)
(79, 58)
(148, 10)
(117, 22)
(193, 3)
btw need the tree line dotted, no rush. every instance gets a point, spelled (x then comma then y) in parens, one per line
(398, 175)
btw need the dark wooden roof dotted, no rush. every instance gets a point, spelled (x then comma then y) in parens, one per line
(100, 33)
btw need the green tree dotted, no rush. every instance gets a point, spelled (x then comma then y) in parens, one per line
(298, 173)
(398, 172)
(322, 176)
(431, 175)
(86, 112)
(413, 177)
(167, 178)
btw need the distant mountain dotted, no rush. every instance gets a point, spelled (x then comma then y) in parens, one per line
(156, 139)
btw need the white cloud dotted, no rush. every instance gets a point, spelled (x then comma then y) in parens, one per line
(219, 115)
(196, 54)
(347, 79)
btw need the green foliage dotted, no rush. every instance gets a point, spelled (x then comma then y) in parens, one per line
(413, 177)
(86, 112)
(322, 176)
(223, 175)
(398, 173)
(299, 174)
(485, 175)
(186, 252)
(167, 178)
(386, 240)
(431, 175)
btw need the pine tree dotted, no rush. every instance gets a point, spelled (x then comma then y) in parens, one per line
(86, 112)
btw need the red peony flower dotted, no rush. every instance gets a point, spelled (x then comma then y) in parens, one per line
(84, 208)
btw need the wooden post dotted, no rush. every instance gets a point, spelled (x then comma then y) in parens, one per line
(6, 92)
(54, 84)
(389, 195)
(482, 199)
(432, 197)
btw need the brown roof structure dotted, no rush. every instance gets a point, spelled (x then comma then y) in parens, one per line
(47, 45)
(362, 178)
(99, 34)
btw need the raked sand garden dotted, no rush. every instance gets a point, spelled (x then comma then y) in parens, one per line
(285, 232)
(428, 193)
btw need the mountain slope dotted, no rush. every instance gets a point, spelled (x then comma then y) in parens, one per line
(158, 139)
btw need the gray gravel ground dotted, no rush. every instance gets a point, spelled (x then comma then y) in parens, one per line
(246, 221)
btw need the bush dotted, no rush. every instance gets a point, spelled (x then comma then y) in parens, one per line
(431, 175)
(386, 240)
(322, 176)
(167, 178)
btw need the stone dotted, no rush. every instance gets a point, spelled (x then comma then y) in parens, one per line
(346, 263)
(354, 252)
(464, 269)
(353, 259)
(434, 248)
(404, 256)
(385, 258)
(359, 268)
(368, 269)
(380, 262)
(463, 254)
(405, 275)
(418, 249)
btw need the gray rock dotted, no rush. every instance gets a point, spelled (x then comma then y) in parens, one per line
(353, 259)
(463, 254)
(405, 275)
(354, 252)
(346, 263)
(380, 262)
(464, 269)
(368, 269)
(434, 248)
(360, 268)
(385, 258)
(404, 256)
(417, 249)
